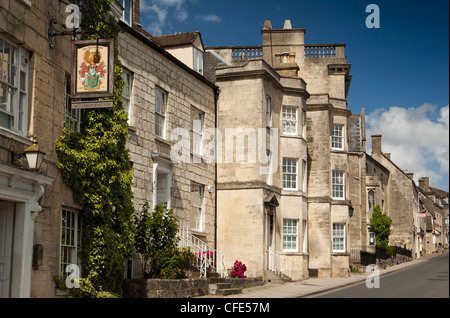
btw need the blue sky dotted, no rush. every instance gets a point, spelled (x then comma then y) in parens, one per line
(400, 71)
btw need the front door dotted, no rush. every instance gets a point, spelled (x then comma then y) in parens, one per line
(6, 238)
(270, 226)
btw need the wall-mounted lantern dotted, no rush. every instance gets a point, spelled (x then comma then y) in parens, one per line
(33, 155)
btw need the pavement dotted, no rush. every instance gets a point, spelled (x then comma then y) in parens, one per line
(315, 286)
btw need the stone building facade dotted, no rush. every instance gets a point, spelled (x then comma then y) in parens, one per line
(403, 202)
(261, 200)
(434, 202)
(167, 156)
(40, 224)
(324, 119)
(325, 70)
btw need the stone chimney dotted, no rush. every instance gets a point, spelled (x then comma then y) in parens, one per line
(376, 144)
(410, 174)
(137, 13)
(424, 182)
(287, 24)
(388, 155)
(267, 25)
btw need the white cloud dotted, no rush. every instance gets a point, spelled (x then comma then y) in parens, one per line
(417, 138)
(164, 11)
(209, 18)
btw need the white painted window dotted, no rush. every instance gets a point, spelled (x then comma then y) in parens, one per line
(304, 185)
(127, 12)
(337, 137)
(160, 113)
(305, 236)
(197, 131)
(197, 192)
(198, 61)
(268, 111)
(290, 120)
(70, 246)
(339, 237)
(162, 183)
(290, 235)
(338, 184)
(269, 164)
(13, 87)
(72, 117)
(126, 93)
(290, 174)
(304, 123)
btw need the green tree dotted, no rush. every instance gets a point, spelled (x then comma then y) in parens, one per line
(94, 163)
(156, 239)
(381, 225)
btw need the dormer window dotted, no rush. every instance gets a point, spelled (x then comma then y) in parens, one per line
(198, 61)
(126, 16)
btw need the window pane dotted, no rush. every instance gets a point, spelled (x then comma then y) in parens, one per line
(338, 184)
(289, 173)
(290, 120)
(290, 235)
(338, 237)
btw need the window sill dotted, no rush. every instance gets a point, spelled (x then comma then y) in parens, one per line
(162, 141)
(15, 136)
(340, 254)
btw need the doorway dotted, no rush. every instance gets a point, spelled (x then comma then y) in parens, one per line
(6, 240)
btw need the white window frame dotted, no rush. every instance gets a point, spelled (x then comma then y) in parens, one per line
(127, 15)
(339, 238)
(338, 185)
(198, 60)
(197, 204)
(268, 111)
(70, 239)
(72, 117)
(197, 124)
(15, 107)
(288, 165)
(304, 168)
(127, 93)
(337, 137)
(166, 170)
(160, 113)
(303, 123)
(269, 165)
(290, 120)
(290, 235)
(305, 236)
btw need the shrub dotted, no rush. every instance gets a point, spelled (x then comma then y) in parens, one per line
(177, 265)
(156, 239)
(238, 270)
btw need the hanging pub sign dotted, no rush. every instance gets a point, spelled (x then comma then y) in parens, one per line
(92, 71)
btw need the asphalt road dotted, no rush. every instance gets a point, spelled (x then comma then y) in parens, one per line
(425, 280)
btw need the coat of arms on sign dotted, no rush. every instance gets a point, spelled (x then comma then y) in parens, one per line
(93, 69)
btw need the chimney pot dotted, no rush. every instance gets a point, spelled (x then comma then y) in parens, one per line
(287, 24)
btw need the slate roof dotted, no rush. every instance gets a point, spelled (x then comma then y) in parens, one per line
(176, 39)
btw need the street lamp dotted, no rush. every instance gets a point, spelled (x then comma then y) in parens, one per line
(33, 155)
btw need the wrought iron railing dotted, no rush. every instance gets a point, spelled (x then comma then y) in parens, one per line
(207, 258)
